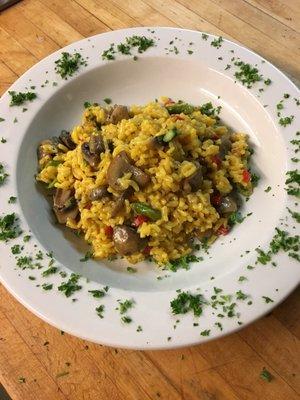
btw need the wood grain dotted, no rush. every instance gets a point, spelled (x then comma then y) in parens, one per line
(57, 366)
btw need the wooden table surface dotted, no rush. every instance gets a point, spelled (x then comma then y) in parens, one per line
(59, 366)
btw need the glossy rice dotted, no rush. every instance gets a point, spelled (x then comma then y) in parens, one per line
(184, 216)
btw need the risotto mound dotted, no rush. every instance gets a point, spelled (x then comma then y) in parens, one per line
(146, 181)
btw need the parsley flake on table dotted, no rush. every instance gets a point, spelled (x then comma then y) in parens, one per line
(68, 64)
(266, 375)
(186, 302)
(71, 286)
(20, 98)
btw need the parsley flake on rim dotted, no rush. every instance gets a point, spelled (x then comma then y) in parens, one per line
(9, 228)
(217, 42)
(71, 286)
(186, 302)
(68, 64)
(266, 375)
(3, 174)
(20, 98)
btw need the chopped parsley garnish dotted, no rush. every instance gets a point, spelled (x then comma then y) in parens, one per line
(20, 98)
(3, 174)
(131, 270)
(3, 140)
(100, 310)
(186, 302)
(204, 36)
(139, 328)
(47, 286)
(25, 262)
(209, 110)
(293, 182)
(68, 64)
(88, 255)
(217, 42)
(125, 305)
(284, 121)
(16, 249)
(247, 74)
(26, 238)
(49, 271)
(32, 278)
(126, 319)
(9, 228)
(12, 200)
(242, 278)
(190, 52)
(183, 262)
(235, 218)
(254, 179)
(266, 375)
(263, 258)
(282, 241)
(2, 119)
(267, 82)
(268, 189)
(71, 286)
(241, 295)
(142, 43)
(219, 325)
(87, 104)
(294, 214)
(107, 100)
(15, 120)
(97, 293)
(286, 95)
(267, 299)
(205, 333)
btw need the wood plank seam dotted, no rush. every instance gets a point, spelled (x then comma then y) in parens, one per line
(37, 360)
(266, 362)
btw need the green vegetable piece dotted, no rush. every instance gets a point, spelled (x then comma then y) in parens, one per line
(180, 107)
(148, 211)
(170, 135)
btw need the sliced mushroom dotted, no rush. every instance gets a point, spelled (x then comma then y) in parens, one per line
(91, 150)
(120, 165)
(225, 145)
(228, 205)
(64, 205)
(99, 193)
(96, 144)
(43, 147)
(119, 204)
(127, 240)
(117, 113)
(193, 183)
(66, 139)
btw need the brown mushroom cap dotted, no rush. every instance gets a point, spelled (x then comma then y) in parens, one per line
(120, 165)
(99, 193)
(228, 205)
(193, 183)
(64, 205)
(127, 240)
(66, 139)
(117, 113)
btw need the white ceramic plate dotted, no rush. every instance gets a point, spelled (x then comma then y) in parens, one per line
(197, 73)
